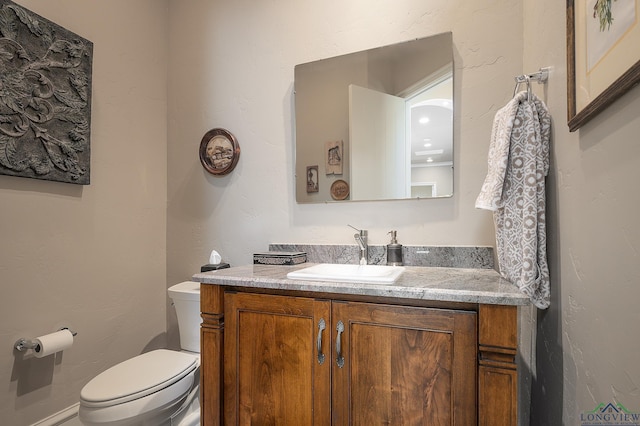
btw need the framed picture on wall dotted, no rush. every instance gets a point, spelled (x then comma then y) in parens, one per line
(219, 152)
(333, 160)
(339, 190)
(603, 55)
(312, 179)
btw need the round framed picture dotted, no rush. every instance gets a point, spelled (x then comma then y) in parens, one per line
(339, 190)
(219, 152)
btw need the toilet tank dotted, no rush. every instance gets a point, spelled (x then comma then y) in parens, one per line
(186, 300)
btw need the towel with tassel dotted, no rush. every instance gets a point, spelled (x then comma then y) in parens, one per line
(514, 190)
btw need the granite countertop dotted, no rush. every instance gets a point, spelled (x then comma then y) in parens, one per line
(468, 285)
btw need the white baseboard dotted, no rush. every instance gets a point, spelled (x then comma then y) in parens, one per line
(60, 417)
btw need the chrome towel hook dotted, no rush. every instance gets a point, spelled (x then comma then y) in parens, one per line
(541, 77)
(523, 79)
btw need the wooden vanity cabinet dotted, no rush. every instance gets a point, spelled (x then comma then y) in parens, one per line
(271, 371)
(402, 365)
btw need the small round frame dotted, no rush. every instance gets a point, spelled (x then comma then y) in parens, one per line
(219, 152)
(339, 190)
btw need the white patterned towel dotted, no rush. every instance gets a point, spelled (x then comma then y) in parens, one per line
(514, 190)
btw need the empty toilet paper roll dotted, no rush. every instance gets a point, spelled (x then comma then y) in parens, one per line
(52, 343)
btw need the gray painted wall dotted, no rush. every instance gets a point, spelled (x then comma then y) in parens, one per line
(93, 257)
(162, 78)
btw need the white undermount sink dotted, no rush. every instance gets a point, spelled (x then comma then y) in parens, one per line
(373, 274)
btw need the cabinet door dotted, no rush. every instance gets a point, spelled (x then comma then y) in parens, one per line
(272, 371)
(403, 366)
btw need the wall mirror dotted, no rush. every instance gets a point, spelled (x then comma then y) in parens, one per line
(376, 124)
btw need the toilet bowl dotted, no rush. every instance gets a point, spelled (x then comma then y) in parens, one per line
(157, 388)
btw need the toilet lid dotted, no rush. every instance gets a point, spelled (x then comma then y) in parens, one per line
(139, 376)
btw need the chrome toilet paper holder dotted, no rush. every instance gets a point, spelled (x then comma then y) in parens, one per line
(25, 344)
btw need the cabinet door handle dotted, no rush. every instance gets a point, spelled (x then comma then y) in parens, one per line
(339, 358)
(321, 326)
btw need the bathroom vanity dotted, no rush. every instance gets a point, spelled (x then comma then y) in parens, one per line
(437, 347)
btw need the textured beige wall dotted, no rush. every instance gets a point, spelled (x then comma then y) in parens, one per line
(241, 57)
(231, 65)
(587, 340)
(93, 257)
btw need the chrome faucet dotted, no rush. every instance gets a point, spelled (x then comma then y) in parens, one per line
(361, 239)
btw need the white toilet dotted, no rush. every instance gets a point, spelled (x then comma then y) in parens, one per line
(156, 388)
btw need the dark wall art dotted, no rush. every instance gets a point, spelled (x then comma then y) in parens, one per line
(45, 98)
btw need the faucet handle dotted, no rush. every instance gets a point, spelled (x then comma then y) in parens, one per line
(361, 232)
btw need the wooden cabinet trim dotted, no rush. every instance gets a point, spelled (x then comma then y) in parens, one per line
(212, 354)
(497, 369)
(497, 403)
(498, 326)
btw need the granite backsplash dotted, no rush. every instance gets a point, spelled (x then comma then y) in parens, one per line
(447, 257)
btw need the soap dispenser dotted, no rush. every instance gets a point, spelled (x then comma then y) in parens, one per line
(394, 251)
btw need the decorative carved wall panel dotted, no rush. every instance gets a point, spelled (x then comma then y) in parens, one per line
(45, 98)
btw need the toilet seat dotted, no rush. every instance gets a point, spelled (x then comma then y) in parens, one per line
(137, 391)
(138, 377)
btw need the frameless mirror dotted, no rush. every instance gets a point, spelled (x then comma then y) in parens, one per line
(376, 124)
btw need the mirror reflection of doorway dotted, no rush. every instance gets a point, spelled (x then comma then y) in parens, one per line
(430, 129)
(406, 141)
(424, 190)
